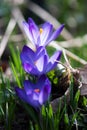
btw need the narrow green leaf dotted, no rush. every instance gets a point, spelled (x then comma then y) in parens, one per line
(50, 111)
(66, 119)
(15, 74)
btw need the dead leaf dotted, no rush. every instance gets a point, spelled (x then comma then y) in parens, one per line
(83, 76)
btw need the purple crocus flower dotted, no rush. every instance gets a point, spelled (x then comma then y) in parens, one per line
(41, 36)
(38, 63)
(35, 94)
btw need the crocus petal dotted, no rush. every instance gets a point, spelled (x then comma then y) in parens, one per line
(29, 59)
(56, 56)
(27, 67)
(27, 31)
(32, 23)
(48, 67)
(35, 96)
(53, 61)
(33, 30)
(33, 102)
(56, 33)
(40, 63)
(32, 99)
(41, 81)
(27, 54)
(45, 63)
(21, 94)
(56, 59)
(35, 71)
(31, 69)
(44, 94)
(47, 30)
(28, 87)
(40, 52)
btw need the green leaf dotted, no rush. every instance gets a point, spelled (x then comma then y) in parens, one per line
(50, 111)
(15, 74)
(76, 99)
(43, 111)
(66, 119)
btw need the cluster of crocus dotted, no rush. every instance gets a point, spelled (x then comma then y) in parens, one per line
(37, 63)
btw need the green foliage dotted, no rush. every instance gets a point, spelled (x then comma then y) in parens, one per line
(47, 118)
(16, 66)
(7, 104)
(84, 102)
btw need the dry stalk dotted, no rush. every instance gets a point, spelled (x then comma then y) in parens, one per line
(9, 29)
(70, 54)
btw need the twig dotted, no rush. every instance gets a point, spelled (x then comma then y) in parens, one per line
(19, 18)
(70, 54)
(6, 36)
(42, 13)
(76, 42)
(17, 38)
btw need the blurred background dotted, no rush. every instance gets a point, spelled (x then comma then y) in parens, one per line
(70, 12)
